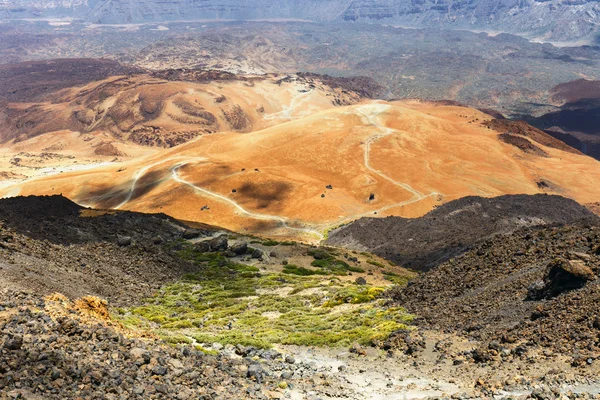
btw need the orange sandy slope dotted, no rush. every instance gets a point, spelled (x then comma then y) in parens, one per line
(411, 155)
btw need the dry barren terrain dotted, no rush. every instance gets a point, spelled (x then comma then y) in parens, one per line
(300, 172)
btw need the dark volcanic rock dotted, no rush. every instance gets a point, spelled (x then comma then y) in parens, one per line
(422, 243)
(191, 234)
(50, 244)
(13, 342)
(523, 144)
(521, 290)
(257, 253)
(212, 245)
(517, 130)
(567, 275)
(95, 361)
(60, 221)
(219, 244)
(255, 371)
(33, 80)
(239, 248)
(124, 241)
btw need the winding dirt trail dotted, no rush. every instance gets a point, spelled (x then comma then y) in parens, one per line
(369, 113)
(265, 217)
(138, 175)
(285, 222)
(286, 113)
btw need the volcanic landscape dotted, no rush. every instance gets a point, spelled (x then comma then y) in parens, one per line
(322, 200)
(289, 156)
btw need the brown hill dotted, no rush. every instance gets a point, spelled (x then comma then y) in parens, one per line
(34, 80)
(314, 172)
(576, 119)
(162, 111)
(521, 128)
(576, 90)
(50, 244)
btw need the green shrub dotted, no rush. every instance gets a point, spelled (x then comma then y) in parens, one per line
(375, 263)
(335, 266)
(320, 254)
(395, 278)
(296, 270)
(230, 304)
(270, 243)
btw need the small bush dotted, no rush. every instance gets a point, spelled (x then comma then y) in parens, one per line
(176, 339)
(354, 295)
(270, 243)
(179, 325)
(320, 254)
(335, 266)
(301, 271)
(375, 263)
(395, 278)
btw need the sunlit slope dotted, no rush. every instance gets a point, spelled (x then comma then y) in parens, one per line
(165, 111)
(380, 159)
(125, 117)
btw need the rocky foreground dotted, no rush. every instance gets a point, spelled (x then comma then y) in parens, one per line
(535, 288)
(513, 316)
(54, 349)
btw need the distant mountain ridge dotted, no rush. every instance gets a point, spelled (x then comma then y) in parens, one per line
(557, 20)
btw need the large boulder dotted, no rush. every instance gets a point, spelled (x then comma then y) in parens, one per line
(13, 342)
(124, 241)
(219, 244)
(567, 275)
(202, 247)
(256, 372)
(212, 245)
(239, 248)
(257, 253)
(191, 234)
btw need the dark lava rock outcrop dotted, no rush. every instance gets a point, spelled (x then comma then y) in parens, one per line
(537, 287)
(422, 243)
(521, 128)
(50, 244)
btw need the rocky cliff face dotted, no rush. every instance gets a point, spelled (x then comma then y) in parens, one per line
(549, 20)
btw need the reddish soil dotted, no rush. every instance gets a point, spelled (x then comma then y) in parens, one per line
(523, 144)
(524, 129)
(576, 90)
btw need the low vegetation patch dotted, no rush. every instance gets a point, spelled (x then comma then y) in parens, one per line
(330, 264)
(232, 303)
(296, 270)
(375, 263)
(400, 280)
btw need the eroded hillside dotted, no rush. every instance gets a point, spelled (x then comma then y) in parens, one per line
(53, 121)
(310, 173)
